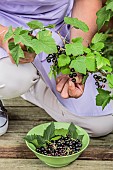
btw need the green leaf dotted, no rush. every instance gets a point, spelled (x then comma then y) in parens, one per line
(103, 98)
(90, 62)
(65, 70)
(35, 25)
(32, 139)
(86, 50)
(74, 49)
(77, 40)
(9, 34)
(50, 26)
(76, 23)
(72, 130)
(97, 46)
(61, 132)
(101, 61)
(79, 64)
(110, 6)
(110, 80)
(99, 37)
(41, 141)
(16, 52)
(63, 60)
(18, 30)
(85, 78)
(103, 15)
(44, 43)
(107, 68)
(49, 132)
(80, 137)
(56, 138)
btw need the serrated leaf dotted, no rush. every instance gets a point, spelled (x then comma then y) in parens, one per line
(101, 61)
(103, 15)
(65, 70)
(79, 64)
(63, 60)
(86, 50)
(78, 40)
(44, 43)
(99, 37)
(9, 34)
(49, 132)
(41, 141)
(61, 132)
(107, 68)
(16, 52)
(103, 98)
(72, 130)
(110, 6)
(110, 80)
(90, 62)
(97, 46)
(76, 23)
(32, 139)
(74, 49)
(18, 30)
(35, 25)
(23, 38)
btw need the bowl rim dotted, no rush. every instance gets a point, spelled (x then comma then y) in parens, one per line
(77, 153)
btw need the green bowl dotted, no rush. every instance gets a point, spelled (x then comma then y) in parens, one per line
(58, 161)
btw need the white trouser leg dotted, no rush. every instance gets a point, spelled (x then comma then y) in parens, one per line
(16, 80)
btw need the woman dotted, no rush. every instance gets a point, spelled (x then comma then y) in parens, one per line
(62, 99)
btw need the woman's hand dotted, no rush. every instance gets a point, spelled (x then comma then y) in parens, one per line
(67, 88)
(29, 57)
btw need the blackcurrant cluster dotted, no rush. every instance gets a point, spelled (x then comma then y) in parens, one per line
(53, 57)
(61, 147)
(99, 81)
(72, 75)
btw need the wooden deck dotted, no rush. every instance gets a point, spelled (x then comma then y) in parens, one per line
(14, 154)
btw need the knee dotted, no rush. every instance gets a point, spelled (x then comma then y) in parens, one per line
(14, 81)
(98, 129)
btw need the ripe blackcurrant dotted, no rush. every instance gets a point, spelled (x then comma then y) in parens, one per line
(72, 70)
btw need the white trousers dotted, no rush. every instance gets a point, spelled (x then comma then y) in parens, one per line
(15, 81)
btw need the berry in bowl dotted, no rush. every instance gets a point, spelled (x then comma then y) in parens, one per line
(57, 143)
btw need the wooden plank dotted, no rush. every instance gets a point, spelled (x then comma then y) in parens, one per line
(27, 113)
(18, 101)
(36, 164)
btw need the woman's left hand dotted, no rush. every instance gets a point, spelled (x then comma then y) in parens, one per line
(67, 88)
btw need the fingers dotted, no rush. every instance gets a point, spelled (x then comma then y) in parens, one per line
(61, 83)
(75, 90)
(29, 57)
(64, 92)
(58, 79)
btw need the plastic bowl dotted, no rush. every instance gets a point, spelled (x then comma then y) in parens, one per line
(58, 161)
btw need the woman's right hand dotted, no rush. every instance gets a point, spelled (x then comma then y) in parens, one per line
(29, 57)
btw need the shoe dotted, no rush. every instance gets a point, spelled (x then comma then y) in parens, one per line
(3, 119)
